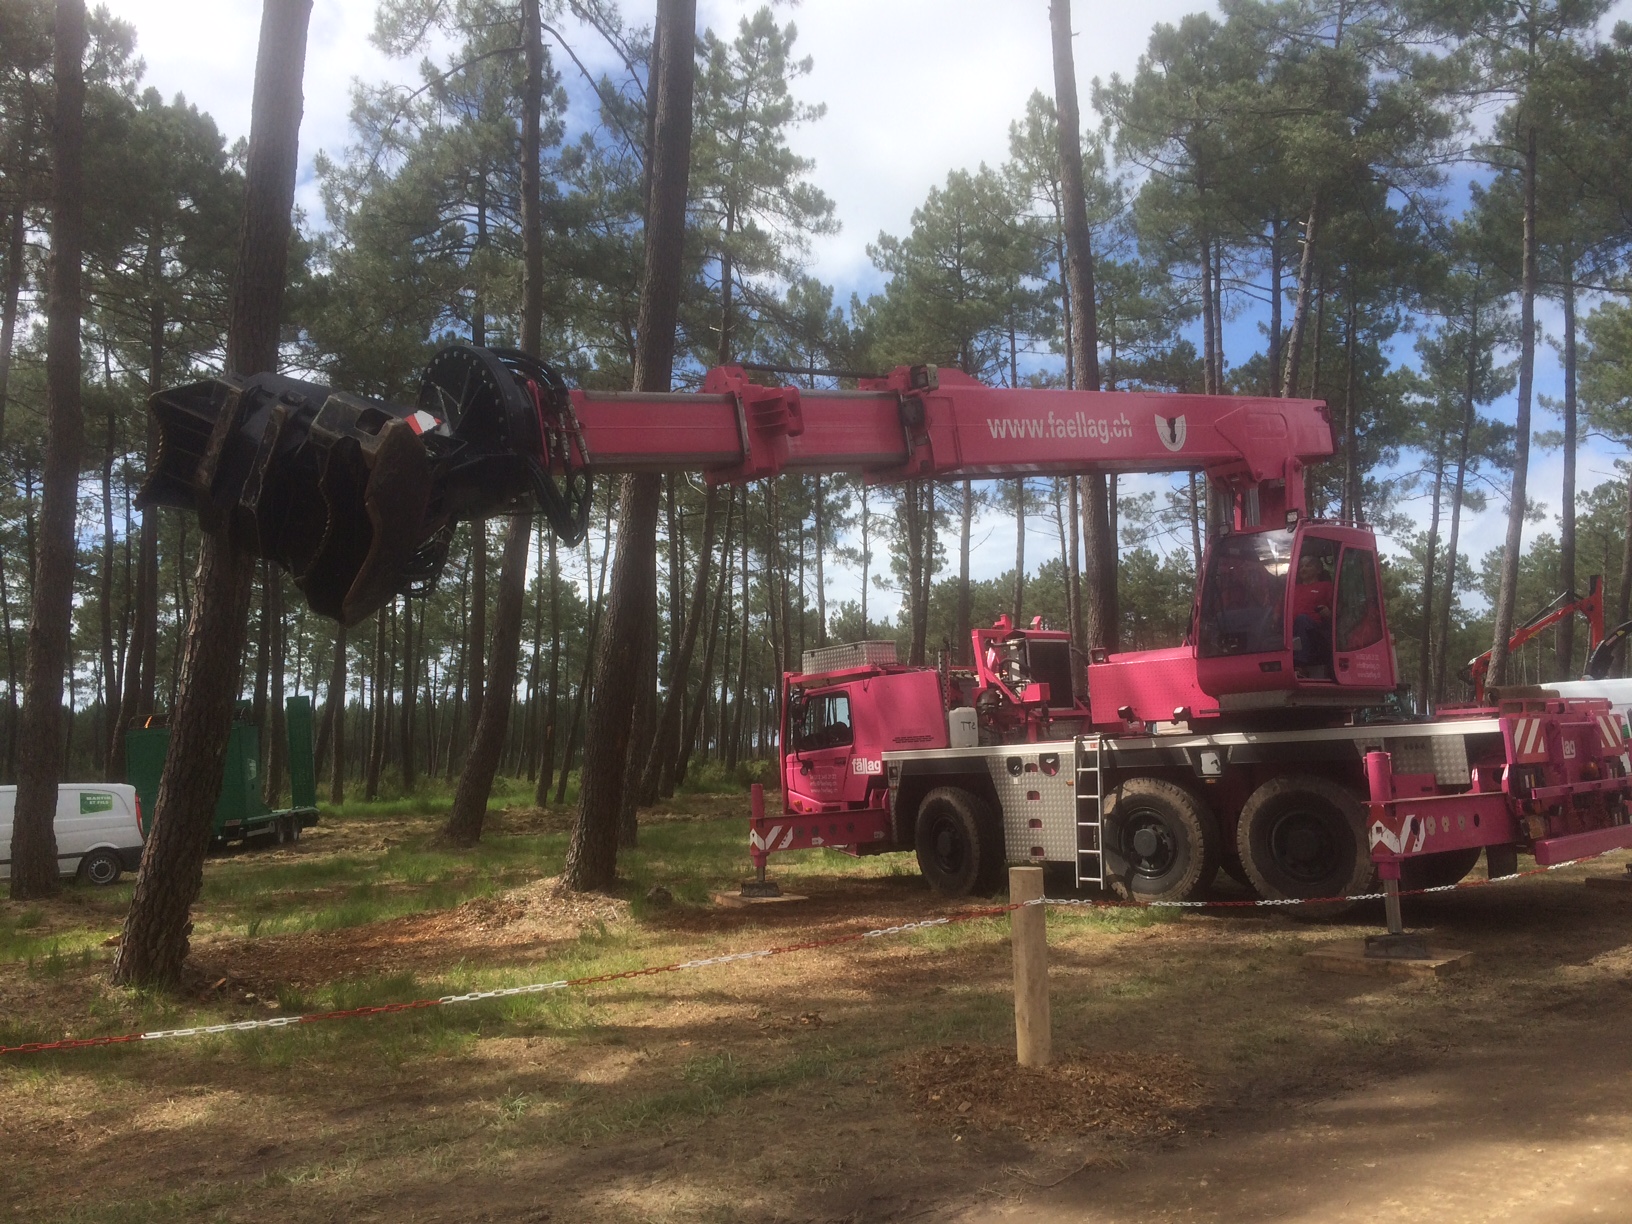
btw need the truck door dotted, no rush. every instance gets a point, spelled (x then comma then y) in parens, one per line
(1360, 648)
(822, 739)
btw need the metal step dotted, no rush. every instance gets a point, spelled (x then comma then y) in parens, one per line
(1090, 863)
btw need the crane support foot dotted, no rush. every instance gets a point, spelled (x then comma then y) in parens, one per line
(1400, 946)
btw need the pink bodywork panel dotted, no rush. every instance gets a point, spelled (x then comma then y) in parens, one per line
(1153, 682)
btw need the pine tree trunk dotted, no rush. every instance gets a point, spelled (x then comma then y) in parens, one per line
(821, 582)
(1300, 308)
(740, 693)
(1507, 589)
(376, 728)
(277, 733)
(659, 774)
(722, 587)
(1019, 550)
(1623, 597)
(1099, 596)
(112, 758)
(33, 849)
(16, 234)
(642, 725)
(552, 702)
(1352, 508)
(477, 647)
(592, 853)
(1209, 322)
(464, 827)
(334, 707)
(1277, 230)
(1470, 393)
(965, 612)
(1564, 658)
(411, 666)
(585, 676)
(1074, 569)
(1430, 564)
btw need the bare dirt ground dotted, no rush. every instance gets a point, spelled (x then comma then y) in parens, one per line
(1204, 1072)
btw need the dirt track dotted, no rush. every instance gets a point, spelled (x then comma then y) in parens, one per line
(1206, 1074)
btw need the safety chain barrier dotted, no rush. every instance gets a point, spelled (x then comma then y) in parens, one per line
(973, 915)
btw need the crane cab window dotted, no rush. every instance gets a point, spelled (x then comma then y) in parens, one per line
(1359, 610)
(1243, 597)
(823, 723)
(1312, 601)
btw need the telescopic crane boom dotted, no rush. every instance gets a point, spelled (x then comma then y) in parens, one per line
(354, 495)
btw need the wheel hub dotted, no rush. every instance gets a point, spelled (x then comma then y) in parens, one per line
(1303, 846)
(1150, 846)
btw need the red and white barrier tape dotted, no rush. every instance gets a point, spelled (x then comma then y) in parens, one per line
(506, 992)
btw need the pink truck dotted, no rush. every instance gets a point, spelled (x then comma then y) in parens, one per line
(981, 767)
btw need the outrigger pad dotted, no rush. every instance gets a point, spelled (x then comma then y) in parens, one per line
(1397, 947)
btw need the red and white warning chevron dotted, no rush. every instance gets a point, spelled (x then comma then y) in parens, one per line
(1611, 732)
(1529, 740)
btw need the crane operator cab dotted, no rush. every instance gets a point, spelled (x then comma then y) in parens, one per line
(1293, 617)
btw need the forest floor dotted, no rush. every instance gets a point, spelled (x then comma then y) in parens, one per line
(1204, 1071)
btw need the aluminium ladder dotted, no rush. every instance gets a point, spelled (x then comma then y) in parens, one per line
(1089, 797)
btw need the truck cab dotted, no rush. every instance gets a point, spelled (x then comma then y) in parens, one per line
(837, 723)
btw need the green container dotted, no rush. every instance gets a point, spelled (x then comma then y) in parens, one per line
(239, 811)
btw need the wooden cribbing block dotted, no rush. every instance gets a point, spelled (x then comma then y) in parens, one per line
(1350, 957)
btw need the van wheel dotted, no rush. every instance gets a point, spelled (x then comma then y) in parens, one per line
(100, 867)
(1305, 836)
(960, 842)
(1160, 842)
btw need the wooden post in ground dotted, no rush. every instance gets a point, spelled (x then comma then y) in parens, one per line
(1028, 932)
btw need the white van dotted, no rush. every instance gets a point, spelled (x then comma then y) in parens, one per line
(99, 830)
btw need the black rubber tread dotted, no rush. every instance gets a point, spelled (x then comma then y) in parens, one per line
(100, 857)
(1438, 870)
(975, 832)
(1195, 841)
(1330, 804)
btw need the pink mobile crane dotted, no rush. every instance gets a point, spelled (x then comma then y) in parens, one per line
(1258, 746)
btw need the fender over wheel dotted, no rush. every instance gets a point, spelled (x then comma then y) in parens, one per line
(1160, 842)
(959, 838)
(1305, 836)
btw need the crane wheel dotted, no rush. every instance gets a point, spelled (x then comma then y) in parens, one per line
(1160, 842)
(1305, 836)
(1438, 870)
(959, 837)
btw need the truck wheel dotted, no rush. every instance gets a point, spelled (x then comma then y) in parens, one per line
(294, 829)
(1160, 842)
(1438, 870)
(960, 842)
(280, 831)
(100, 867)
(1303, 836)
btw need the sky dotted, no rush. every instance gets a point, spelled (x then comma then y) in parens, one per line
(913, 89)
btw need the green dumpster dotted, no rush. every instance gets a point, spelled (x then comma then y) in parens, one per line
(239, 810)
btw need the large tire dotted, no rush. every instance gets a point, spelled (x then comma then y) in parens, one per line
(960, 842)
(1438, 870)
(1304, 836)
(1160, 843)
